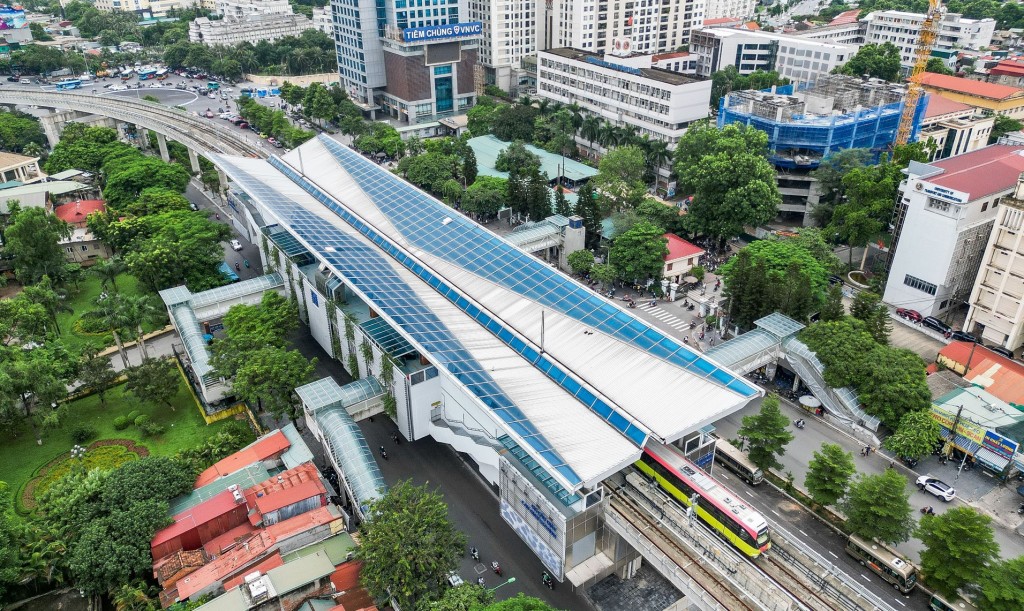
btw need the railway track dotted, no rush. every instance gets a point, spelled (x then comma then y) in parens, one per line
(693, 566)
(791, 582)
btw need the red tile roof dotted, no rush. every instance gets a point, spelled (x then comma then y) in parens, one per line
(751, 25)
(280, 490)
(288, 496)
(998, 375)
(1008, 68)
(77, 211)
(979, 89)
(721, 20)
(242, 556)
(845, 17)
(261, 449)
(303, 522)
(939, 106)
(202, 513)
(270, 562)
(678, 248)
(1000, 164)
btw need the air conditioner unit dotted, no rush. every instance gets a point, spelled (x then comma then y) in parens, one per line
(251, 577)
(238, 496)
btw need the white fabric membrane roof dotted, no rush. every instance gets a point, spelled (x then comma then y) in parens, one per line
(601, 384)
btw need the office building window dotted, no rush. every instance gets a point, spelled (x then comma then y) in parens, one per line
(921, 285)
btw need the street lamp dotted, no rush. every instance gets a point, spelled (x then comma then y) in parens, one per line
(510, 580)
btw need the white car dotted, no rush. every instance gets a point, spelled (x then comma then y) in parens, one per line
(936, 487)
(236, 245)
(118, 88)
(156, 86)
(454, 579)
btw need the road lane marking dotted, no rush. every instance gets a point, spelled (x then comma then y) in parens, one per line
(748, 494)
(833, 555)
(776, 513)
(803, 533)
(900, 602)
(865, 578)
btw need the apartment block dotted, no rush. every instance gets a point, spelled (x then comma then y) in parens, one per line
(902, 29)
(598, 26)
(798, 59)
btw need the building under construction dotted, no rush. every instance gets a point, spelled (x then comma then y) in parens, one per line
(804, 126)
(837, 112)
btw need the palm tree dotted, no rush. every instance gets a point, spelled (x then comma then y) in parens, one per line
(139, 310)
(132, 597)
(108, 271)
(112, 313)
(53, 299)
(657, 156)
(33, 149)
(576, 112)
(606, 136)
(525, 100)
(543, 105)
(590, 129)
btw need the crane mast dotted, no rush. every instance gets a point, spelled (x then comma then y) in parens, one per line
(929, 32)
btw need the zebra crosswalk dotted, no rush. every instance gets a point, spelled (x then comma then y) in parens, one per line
(666, 317)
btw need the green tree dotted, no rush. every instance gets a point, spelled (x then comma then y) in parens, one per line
(10, 542)
(581, 262)
(52, 299)
(728, 174)
(381, 138)
(619, 180)
(154, 200)
(517, 156)
(520, 602)
(467, 597)
(773, 275)
(430, 170)
(21, 320)
(269, 377)
(538, 197)
(586, 208)
(32, 238)
(766, 434)
(172, 248)
(829, 473)
(915, 436)
(1002, 126)
(937, 66)
(511, 123)
(833, 309)
(639, 254)
(1002, 586)
(605, 274)
(868, 307)
(408, 546)
(958, 548)
(481, 117)
(97, 374)
(19, 131)
(127, 178)
(561, 204)
(155, 380)
(251, 328)
(898, 386)
(877, 507)
(729, 79)
(830, 174)
(875, 60)
(485, 197)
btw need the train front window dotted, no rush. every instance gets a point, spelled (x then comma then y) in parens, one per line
(762, 537)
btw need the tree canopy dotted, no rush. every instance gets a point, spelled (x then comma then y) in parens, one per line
(877, 507)
(408, 546)
(829, 473)
(915, 436)
(618, 182)
(639, 254)
(18, 130)
(773, 275)
(32, 237)
(875, 60)
(766, 434)
(727, 172)
(1002, 586)
(729, 79)
(958, 548)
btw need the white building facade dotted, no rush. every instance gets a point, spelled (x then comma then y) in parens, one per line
(624, 91)
(598, 26)
(996, 315)
(251, 29)
(237, 9)
(323, 20)
(740, 9)
(799, 59)
(902, 29)
(509, 34)
(944, 217)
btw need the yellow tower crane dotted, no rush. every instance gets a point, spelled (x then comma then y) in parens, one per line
(929, 32)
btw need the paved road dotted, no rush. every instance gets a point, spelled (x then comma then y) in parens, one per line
(974, 487)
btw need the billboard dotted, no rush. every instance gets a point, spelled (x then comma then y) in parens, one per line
(447, 31)
(1000, 445)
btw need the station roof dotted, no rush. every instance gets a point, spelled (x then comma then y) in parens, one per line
(583, 404)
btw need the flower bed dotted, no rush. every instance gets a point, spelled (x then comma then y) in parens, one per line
(103, 454)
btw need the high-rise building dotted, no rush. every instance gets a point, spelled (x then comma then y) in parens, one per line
(598, 26)
(798, 59)
(741, 9)
(509, 35)
(413, 59)
(902, 29)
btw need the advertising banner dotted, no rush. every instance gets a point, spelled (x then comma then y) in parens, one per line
(447, 31)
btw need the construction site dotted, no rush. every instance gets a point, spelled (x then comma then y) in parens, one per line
(837, 112)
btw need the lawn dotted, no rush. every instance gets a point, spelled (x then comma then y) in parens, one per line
(85, 301)
(184, 427)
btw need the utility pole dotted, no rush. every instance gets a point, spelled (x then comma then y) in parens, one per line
(952, 431)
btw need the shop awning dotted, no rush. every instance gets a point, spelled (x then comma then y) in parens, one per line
(961, 442)
(990, 460)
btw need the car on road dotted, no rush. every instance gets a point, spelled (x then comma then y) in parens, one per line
(25, 81)
(936, 487)
(156, 85)
(235, 245)
(119, 88)
(243, 125)
(963, 336)
(193, 207)
(272, 141)
(209, 114)
(454, 579)
(911, 315)
(937, 325)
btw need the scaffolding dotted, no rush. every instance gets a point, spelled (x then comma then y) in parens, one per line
(837, 112)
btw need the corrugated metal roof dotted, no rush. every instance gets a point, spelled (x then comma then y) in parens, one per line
(299, 572)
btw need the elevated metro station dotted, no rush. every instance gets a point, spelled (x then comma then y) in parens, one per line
(549, 387)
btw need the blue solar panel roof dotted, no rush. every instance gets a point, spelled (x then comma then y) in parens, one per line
(422, 220)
